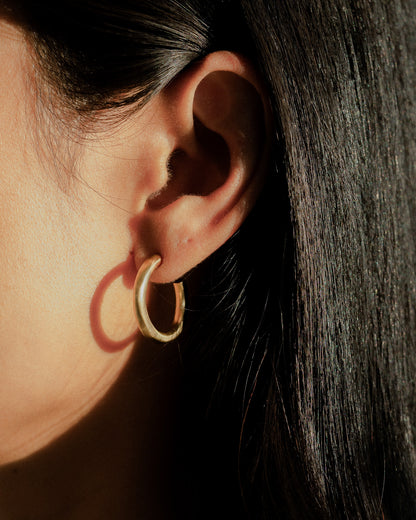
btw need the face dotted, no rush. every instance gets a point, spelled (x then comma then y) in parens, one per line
(56, 227)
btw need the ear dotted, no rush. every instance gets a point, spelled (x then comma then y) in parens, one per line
(212, 133)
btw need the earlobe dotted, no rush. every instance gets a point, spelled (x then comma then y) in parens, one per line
(216, 119)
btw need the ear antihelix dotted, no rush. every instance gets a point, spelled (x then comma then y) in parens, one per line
(231, 106)
(227, 135)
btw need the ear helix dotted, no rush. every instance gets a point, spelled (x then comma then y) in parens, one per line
(140, 306)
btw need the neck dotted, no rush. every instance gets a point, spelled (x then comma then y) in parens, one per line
(115, 463)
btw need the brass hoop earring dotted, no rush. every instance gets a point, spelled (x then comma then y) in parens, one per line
(140, 290)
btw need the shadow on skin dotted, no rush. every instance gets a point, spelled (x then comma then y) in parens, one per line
(115, 463)
(125, 270)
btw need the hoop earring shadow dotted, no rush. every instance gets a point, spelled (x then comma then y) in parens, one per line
(140, 306)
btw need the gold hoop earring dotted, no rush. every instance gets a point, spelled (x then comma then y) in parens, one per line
(140, 290)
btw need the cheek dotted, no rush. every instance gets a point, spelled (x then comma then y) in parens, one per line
(52, 258)
(39, 271)
(54, 250)
(46, 283)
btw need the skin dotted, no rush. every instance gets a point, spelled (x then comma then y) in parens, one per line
(80, 211)
(54, 373)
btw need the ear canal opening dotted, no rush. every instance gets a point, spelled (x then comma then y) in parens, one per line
(198, 173)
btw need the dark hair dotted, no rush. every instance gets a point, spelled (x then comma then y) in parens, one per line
(299, 389)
